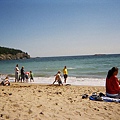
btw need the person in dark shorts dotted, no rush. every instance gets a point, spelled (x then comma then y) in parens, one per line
(65, 74)
(22, 74)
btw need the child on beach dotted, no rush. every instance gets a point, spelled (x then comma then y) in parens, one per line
(27, 76)
(58, 78)
(5, 82)
(31, 76)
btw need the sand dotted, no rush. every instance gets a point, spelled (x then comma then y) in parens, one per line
(24, 101)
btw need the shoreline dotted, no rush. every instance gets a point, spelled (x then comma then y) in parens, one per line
(32, 101)
(70, 80)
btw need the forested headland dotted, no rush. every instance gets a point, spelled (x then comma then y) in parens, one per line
(12, 54)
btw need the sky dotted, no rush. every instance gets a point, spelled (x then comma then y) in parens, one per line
(45, 28)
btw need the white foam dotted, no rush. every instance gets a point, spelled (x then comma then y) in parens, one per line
(70, 80)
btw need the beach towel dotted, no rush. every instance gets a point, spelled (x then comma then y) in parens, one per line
(102, 97)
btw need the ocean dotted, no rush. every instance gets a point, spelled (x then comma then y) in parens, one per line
(82, 70)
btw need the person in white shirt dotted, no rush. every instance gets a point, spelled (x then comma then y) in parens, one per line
(17, 73)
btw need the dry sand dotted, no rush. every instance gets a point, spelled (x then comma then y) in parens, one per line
(22, 101)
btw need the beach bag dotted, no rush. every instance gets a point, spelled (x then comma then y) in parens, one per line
(96, 97)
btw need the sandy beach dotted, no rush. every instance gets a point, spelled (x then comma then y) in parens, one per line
(24, 101)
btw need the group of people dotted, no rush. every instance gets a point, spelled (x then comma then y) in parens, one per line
(21, 75)
(112, 82)
(58, 76)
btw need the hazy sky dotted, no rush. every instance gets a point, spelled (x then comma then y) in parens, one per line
(60, 27)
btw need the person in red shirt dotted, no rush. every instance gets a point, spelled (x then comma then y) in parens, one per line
(112, 83)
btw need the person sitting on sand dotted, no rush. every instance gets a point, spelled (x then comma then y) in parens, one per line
(58, 78)
(112, 83)
(5, 82)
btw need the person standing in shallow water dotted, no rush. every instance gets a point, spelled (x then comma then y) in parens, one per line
(22, 74)
(17, 73)
(65, 74)
(31, 76)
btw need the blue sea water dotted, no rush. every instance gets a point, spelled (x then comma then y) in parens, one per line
(89, 67)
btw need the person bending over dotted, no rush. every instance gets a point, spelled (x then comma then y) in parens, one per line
(58, 78)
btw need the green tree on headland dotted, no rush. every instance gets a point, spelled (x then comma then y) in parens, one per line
(12, 54)
(4, 50)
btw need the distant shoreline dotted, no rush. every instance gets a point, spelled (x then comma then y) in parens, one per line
(75, 55)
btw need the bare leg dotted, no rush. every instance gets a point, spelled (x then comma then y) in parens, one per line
(54, 81)
(65, 80)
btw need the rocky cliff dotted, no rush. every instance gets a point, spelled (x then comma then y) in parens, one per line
(12, 54)
(14, 57)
